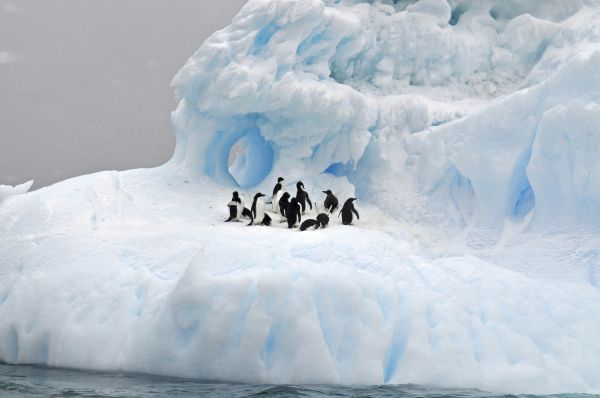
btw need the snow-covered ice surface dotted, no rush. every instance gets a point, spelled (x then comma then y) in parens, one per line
(470, 132)
(8, 190)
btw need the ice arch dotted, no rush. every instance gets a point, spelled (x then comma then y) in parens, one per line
(250, 159)
(240, 156)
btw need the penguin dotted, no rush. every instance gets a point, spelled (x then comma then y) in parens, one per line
(321, 221)
(309, 223)
(280, 184)
(247, 213)
(347, 211)
(331, 202)
(302, 196)
(237, 209)
(258, 211)
(284, 203)
(293, 213)
(278, 192)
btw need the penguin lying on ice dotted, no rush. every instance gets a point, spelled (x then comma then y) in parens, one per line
(321, 221)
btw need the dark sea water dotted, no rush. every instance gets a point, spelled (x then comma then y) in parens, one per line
(33, 381)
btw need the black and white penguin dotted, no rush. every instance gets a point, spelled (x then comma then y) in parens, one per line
(331, 202)
(280, 184)
(347, 211)
(278, 192)
(321, 221)
(293, 213)
(258, 211)
(237, 209)
(306, 224)
(284, 203)
(302, 196)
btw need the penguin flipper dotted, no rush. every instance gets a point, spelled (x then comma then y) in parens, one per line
(356, 212)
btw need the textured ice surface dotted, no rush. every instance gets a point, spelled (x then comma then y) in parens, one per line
(469, 131)
(7, 190)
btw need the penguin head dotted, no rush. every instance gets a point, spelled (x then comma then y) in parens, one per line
(328, 192)
(294, 201)
(258, 195)
(300, 185)
(350, 200)
(280, 179)
(236, 195)
(285, 196)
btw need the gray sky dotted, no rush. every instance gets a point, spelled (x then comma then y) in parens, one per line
(84, 84)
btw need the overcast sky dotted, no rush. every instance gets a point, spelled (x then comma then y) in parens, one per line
(84, 84)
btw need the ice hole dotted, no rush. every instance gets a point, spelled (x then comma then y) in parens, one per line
(250, 159)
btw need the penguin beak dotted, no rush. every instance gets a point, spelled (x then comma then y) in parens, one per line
(325, 192)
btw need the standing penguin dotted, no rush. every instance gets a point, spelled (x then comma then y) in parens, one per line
(347, 211)
(258, 211)
(293, 213)
(278, 192)
(237, 209)
(284, 203)
(331, 202)
(302, 196)
(280, 184)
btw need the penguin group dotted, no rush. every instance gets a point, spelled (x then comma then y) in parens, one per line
(290, 209)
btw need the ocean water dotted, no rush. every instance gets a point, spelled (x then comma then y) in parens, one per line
(36, 381)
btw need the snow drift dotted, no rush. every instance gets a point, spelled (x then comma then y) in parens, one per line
(469, 130)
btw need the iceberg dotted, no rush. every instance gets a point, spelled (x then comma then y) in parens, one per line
(8, 190)
(469, 132)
